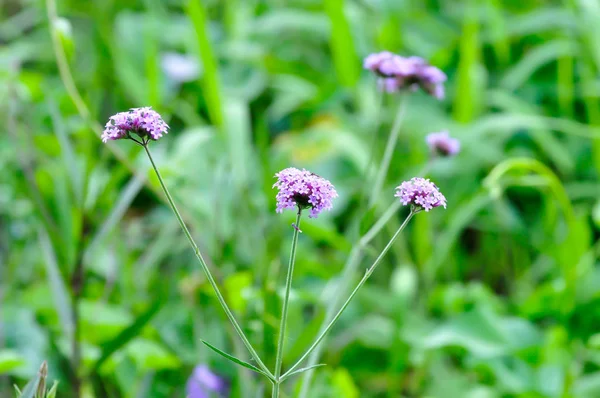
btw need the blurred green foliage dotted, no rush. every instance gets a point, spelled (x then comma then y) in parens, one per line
(498, 296)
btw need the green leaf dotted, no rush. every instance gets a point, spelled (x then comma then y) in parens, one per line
(60, 293)
(302, 370)
(210, 81)
(10, 360)
(483, 334)
(534, 60)
(234, 359)
(344, 385)
(148, 355)
(31, 387)
(128, 333)
(342, 44)
(52, 392)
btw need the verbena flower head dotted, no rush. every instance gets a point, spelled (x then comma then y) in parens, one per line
(442, 144)
(203, 383)
(398, 73)
(420, 193)
(303, 189)
(143, 122)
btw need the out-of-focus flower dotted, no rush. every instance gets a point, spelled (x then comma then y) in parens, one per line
(203, 383)
(303, 189)
(384, 63)
(179, 67)
(143, 122)
(442, 144)
(397, 73)
(420, 193)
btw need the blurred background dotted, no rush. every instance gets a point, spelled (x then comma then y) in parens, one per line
(497, 296)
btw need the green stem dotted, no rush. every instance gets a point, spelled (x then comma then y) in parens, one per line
(369, 272)
(374, 138)
(206, 270)
(388, 153)
(348, 271)
(275, 393)
(286, 298)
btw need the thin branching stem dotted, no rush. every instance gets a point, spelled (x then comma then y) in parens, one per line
(368, 273)
(207, 272)
(388, 153)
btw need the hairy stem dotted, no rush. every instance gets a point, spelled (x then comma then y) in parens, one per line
(368, 273)
(206, 270)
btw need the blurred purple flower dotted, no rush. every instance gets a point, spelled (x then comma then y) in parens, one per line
(420, 193)
(203, 382)
(143, 122)
(442, 144)
(382, 63)
(397, 73)
(179, 67)
(303, 189)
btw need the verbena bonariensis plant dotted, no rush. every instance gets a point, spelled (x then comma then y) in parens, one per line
(301, 190)
(397, 76)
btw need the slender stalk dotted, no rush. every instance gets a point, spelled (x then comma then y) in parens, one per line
(206, 270)
(349, 269)
(63, 66)
(374, 138)
(368, 273)
(388, 153)
(286, 298)
(77, 282)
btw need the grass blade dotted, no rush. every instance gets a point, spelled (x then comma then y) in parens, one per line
(128, 194)
(31, 389)
(469, 86)
(128, 333)
(52, 391)
(342, 44)
(235, 360)
(62, 299)
(210, 80)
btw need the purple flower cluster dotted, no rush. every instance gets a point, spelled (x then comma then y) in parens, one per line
(303, 189)
(143, 122)
(203, 383)
(421, 193)
(397, 73)
(442, 144)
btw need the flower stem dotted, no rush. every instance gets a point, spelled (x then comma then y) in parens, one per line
(207, 272)
(349, 269)
(388, 153)
(368, 273)
(286, 298)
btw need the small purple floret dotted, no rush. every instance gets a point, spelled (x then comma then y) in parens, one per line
(142, 122)
(397, 73)
(301, 188)
(203, 383)
(442, 144)
(420, 193)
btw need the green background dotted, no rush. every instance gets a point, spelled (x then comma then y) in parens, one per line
(497, 296)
